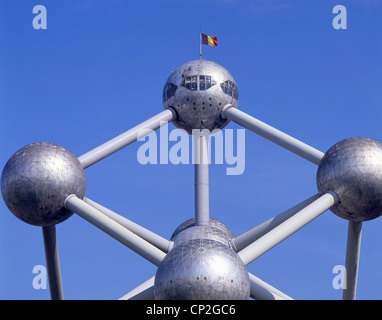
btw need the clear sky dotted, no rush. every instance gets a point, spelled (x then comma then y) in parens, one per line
(99, 69)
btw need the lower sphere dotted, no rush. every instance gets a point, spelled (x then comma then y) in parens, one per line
(201, 269)
(201, 232)
(37, 179)
(214, 223)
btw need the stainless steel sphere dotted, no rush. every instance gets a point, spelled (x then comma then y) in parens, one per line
(37, 179)
(212, 223)
(352, 168)
(202, 232)
(198, 90)
(201, 269)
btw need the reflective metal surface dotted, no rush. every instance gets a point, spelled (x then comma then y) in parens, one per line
(352, 168)
(213, 223)
(198, 90)
(37, 179)
(202, 232)
(201, 269)
(201, 265)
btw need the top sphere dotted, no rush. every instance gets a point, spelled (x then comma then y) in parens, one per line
(352, 168)
(37, 179)
(198, 90)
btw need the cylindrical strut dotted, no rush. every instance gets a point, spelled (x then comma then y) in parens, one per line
(126, 138)
(352, 259)
(115, 230)
(288, 227)
(202, 202)
(272, 134)
(53, 262)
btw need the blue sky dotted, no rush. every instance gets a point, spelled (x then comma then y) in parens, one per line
(99, 69)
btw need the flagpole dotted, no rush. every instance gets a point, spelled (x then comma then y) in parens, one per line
(200, 52)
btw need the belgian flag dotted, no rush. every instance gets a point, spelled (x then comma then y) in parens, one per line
(210, 41)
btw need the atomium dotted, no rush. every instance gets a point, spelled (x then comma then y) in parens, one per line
(44, 184)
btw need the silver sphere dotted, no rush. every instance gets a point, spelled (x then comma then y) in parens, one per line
(202, 232)
(37, 179)
(212, 223)
(352, 168)
(201, 269)
(198, 90)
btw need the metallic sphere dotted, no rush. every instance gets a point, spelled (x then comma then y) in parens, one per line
(352, 168)
(37, 179)
(212, 223)
(202, 232)
(198, 90)
(201, 269)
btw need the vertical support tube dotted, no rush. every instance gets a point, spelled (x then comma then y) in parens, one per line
(352, 259)
(53, 262)
(202, 202)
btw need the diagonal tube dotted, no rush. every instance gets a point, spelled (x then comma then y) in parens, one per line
(288, 227)
(145, 291)
(115, 230)
(261, 290)
(156, 240)
(126, 138)
(252, 235)
(282, 139)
